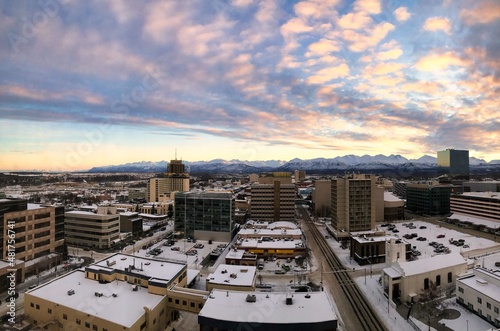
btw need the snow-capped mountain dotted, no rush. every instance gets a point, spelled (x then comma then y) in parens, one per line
(378, 163)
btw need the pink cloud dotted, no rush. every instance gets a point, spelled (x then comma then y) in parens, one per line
(328, 74)
(322, 47)
(483, 13)
(439, 61)
(402, 14)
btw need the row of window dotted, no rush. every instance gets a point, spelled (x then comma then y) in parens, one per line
(480, 301)
(438, 280)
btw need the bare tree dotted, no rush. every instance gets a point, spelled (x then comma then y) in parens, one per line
(430, 303)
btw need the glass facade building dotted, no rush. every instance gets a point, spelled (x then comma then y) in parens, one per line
(204, 215)
(454, 163)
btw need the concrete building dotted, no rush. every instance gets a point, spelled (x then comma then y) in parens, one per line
(370, 247)
(484, 186)
(274, 311)
(161, 187)
(322, 197)
(273, 202)
(241, 257)
(353, 205)
(205, 215)
(394, 207)
(87, 229)
(122, 292)
(428, 198)
(232, 278)
(283, 177)
(131, 223)
(485, 205)
(404, 280)
(399, 189)
(299, 175)
(453, 163)
(479, 292)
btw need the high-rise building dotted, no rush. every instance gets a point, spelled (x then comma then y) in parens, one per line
(322, 197)
(353, 204)
(428, 198)
(205, 215)
(273, 202)
(175, 180)
(454, 163)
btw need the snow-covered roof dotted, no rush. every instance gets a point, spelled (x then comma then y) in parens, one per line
(148, 267)
(388, 196)
(276, 244)
(437, 262)
(282, 224)
(391, 272)
(484, 281)
(311, 307)
(235, 254)
(235, 275)
(489, 195)
(124, 309)
(270, 232)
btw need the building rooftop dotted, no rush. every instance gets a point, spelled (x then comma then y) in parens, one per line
(475, 220)
(489, 195)
(276, 243)
(388, 196)
(423, 266)
(235, 254)
(480, 281)
(311, 307)
(118, 304)
(270, 232)
(158, 269)
(235, 275)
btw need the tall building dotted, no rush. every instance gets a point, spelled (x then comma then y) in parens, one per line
(273, 202)
(99, 230)
(205, 215)
(353, 204)
(283, 177)
(454, 163)
(322, 197)
(428, 198)
(175, 180)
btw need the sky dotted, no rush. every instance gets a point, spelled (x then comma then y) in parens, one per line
(92, 83)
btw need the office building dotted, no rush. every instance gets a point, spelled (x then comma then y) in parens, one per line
(274, 311)
(273, 202)
(483, 186)
(88, 229)
(322, 197)
(161, 187)
(205, 215)
(300, 175)
(453, 163)
(352, 205)
(131, 223)
(232, 278)
(394, 207)
(479, 292)
(283, 177)
(428, 198)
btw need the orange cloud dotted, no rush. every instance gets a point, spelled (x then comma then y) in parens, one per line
(322, 47)
(433, 62)
(355, 21)
(369, 6)
(437, 23)
(483, 13)
(402, 14)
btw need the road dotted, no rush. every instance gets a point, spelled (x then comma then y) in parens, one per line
(355, 314)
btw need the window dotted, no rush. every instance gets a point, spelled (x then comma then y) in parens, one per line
(78, 321)
(496, 310)
(488, 305)
(65, 317)
(94, 327)
(104, 329)
(184, 302)
(176, 301)
(426, 283)
(480, 312)
(162, 312)
(438, 280)
(479, 300)
(38, 307)
(32, 304)
(169, 299)
(87, 324)
(460, 289)
(192, 304)
(450, 277)
(154, 321)
(49, 310)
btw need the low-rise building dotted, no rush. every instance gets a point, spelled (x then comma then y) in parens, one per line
(260, 311)
(90, 229)
(479, 292)
(232, 277)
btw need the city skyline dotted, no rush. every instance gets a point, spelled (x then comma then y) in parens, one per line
(92, 84)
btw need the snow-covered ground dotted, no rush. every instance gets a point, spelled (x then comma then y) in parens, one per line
(373, 290)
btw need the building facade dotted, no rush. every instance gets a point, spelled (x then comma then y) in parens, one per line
(204, 215)
(87, 229)
(483, 205)
(273, 202)
(453, 163)
(322, 197)
(428, 199)
(353, 205)
(479, 292)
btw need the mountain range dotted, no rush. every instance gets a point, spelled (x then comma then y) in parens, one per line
(347, 163)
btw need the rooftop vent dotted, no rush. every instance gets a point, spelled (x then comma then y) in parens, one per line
(98, 294)
(481, 281)
(135, 288)
(251, 298)
(114, 295)
(71, 292)
(233, 275)
(289, 300)
(308, 296)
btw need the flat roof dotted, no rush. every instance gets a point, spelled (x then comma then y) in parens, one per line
(232, 306)
(422, 266)
(489, 195)
(235, 254)
(124, 309)
(235, 275)
(388, 196)
(276, 244)
(270, 232)
(363, 239)
(159, 269)
(475, 220)
(480, 281)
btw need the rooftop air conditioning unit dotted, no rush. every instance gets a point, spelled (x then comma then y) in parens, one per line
(71, 292)
(251, 298)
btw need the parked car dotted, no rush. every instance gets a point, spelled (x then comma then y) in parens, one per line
(175, 248)
(441, 236)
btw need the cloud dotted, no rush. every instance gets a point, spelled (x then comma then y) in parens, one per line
(439, 61)
(322, 47)
(402, 14)
(328, 74)
(437, 24)
(483, 13)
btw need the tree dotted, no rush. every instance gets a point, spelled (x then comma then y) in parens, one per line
(431, 304)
